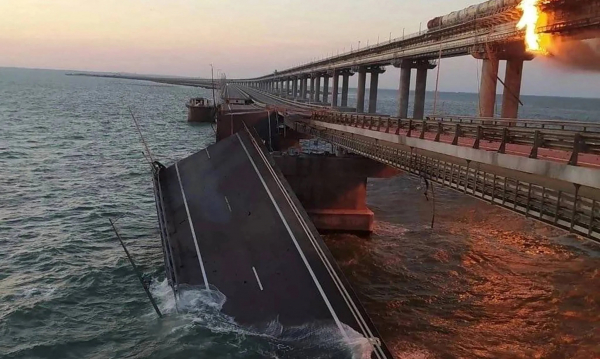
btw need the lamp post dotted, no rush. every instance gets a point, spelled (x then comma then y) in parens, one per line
(212, 78)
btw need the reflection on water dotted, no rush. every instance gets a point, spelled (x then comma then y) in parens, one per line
(484, 282)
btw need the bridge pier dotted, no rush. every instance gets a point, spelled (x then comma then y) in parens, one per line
(375, 71)
(295, 87)
(515, 54)
(404, 91)
(281, 88)
(304, 87)
(406, 67)
(325, 88)
(512, 91)
(487, 90)
(311, 94)
(318, 88)
(360, 92)
(332, 189)
(345, 79)
(420, 90)
(335, 89)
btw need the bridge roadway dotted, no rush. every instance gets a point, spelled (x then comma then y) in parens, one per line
(230, 222)
(530, 171)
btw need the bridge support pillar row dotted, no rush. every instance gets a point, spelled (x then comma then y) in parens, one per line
(512, 91)
(404, 91)
(318, 88)
(326, 89)
(360, 92)
(335, 89)
(373, 87)
(311, 93)
(421, 87)
(487, 92)
(345, 80)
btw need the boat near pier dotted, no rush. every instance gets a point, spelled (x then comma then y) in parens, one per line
(200, 109)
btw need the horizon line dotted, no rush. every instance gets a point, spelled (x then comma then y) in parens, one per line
(201, 78)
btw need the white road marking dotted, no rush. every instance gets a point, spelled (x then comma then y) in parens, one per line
(187, 210)
(352, 306)
(257, 279)
(228, 206)
(207, 153)
(289, 230)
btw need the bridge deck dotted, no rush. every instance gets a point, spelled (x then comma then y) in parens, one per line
(546, 189)
(233, 222)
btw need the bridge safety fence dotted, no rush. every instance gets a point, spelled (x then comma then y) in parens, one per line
(575, 138)
(568, 208)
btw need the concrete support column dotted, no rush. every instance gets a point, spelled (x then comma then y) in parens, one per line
(404, 91)
(360, 92)
(318, 88)
(335, 89)
(421, 87)
(512, 91)
(373, 87)
(345, 80)
(326, 88)
(294, 88)
(288, 89)
(281, 88)
(312, 89)
(304, 87)
(487, 91)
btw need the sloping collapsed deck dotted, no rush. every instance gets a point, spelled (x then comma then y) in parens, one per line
(228, 218)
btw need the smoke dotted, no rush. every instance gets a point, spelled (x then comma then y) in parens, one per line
(581, 54)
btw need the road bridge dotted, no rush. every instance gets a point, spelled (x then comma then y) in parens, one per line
(545, 170)
(232, 227)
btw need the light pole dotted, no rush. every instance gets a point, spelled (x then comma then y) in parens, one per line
(212, 78)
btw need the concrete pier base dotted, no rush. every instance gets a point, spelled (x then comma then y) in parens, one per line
(332, 189)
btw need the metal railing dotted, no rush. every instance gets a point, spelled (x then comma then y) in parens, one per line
(576, 138)
(566, 208)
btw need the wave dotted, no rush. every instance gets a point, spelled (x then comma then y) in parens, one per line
(198, 306)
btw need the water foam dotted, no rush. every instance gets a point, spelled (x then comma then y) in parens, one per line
(199, 306)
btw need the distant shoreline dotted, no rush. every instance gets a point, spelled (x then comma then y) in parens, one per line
(205, 83)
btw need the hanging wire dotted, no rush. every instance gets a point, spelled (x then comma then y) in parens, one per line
(137, 126)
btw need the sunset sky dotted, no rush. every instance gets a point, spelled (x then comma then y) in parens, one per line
(242, 38)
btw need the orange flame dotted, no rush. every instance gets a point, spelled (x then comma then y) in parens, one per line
(528, 22)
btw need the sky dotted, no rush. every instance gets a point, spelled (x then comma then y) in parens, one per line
(243, 38)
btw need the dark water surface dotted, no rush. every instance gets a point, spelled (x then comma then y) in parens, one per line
(483, 283)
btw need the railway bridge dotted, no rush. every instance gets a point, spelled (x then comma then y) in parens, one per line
(488, 31)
